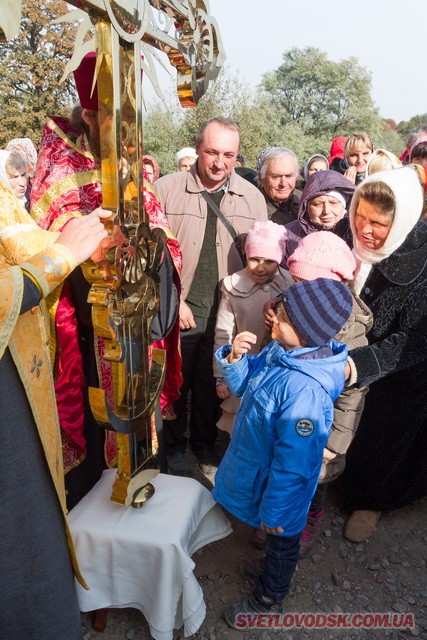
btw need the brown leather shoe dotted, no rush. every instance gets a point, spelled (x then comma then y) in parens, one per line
(361, 525)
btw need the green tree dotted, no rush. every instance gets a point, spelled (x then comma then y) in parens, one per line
(223, 99)
(389, 138)
(405, 127)
(161, 135)
(323, 98)
(31, 66)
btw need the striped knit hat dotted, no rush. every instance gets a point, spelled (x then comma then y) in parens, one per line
(318, 309)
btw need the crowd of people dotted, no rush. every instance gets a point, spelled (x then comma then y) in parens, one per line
(301, 330)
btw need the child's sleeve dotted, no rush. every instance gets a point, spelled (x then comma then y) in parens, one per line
(302, 430)
(225, 328)
(236, 375)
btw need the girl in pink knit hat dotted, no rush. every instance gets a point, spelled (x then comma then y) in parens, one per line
(243, 295)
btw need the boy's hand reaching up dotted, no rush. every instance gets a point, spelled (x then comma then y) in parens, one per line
(242, 344)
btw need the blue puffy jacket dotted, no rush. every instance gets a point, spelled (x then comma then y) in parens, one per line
(270, 470)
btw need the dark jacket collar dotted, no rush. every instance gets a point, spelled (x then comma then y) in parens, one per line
(286, 206)
(236, 184)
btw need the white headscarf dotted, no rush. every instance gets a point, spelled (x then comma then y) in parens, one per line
(186, 152)
(4, 157)
(409, 201)
(307, 164)
(25, 149)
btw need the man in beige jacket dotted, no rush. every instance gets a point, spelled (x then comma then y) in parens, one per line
(209, 254)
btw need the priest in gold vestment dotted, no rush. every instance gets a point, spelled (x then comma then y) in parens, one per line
(37, 592)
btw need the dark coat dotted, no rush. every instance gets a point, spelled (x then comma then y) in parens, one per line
(284, 212)
(38, 598)
(339, 164)
(318, 183)
(386, 465)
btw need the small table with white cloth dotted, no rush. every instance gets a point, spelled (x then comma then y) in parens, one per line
(141, 558)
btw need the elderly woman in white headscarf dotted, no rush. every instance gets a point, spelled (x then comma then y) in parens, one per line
(386, 464)
(185, 158)
(13, 173)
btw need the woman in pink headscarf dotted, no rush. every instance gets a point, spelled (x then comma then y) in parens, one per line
(25, 149)
(152, 168)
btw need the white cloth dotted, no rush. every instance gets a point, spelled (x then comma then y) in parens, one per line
(141, 558)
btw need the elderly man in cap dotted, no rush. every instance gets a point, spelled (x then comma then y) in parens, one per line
(191, 201)
(68, 184)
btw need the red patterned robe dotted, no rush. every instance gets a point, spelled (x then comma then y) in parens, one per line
(68, 184)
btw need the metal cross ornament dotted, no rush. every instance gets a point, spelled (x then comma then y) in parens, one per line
(124, 293)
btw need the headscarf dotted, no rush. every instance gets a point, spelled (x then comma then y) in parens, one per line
(186, 152)
(421, 171)
(4, 157)
(406, 188)
(337, 148)
(322, 183)
(310, 160)
(156, 167)
(260, 157)
(416, 143)
(25, 149)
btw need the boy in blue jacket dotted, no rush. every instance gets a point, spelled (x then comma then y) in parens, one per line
(270, 470)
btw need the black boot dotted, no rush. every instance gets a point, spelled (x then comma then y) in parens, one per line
(242, 614)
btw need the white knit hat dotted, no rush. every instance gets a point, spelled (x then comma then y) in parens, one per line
(186, 152)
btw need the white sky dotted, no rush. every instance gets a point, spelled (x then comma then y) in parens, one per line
(387, 36)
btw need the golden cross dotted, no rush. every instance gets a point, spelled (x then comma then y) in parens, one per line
(127, 35)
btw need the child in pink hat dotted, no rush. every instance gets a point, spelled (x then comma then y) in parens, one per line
(243, 296)
(322, 255)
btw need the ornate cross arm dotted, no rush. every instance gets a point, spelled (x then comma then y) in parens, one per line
(185, 31)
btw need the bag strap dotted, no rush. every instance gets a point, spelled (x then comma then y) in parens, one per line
(213, 205)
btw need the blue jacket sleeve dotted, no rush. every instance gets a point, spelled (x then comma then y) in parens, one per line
(236, 375)
(302, 426)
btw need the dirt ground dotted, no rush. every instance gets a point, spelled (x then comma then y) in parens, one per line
(385, 574)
